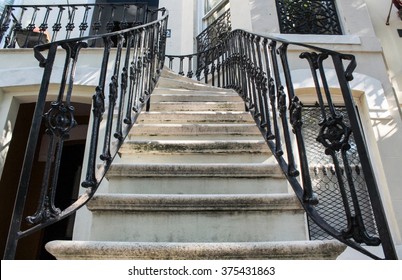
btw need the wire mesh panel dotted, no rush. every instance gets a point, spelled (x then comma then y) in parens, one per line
(325, 183)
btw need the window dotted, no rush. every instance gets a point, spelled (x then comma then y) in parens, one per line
(308, 17)
(213, 9)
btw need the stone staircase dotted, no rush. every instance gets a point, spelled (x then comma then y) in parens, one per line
(195, 180)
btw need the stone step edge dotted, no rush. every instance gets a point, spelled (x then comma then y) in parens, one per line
(194, 202)
(195, 146)
(290, 250)
(194, 129)
(166, 92)
(196, 170)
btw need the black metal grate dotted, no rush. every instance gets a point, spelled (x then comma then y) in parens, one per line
(308, 17)
(324, 180)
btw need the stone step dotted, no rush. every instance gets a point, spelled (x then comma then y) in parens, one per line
(196, 179)
(197, 106)
(195, 151)
(194, 130)
(178, 82)
(289, 250)
(195, 147)
(197, 218)
(195, 117)
(167, 95)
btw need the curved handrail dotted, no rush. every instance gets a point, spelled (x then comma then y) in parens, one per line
(138, 60)
(257, 67)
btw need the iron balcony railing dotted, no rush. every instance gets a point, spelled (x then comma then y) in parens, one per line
(128, 74)
(214, 33)
(29, 25)
(261, 69)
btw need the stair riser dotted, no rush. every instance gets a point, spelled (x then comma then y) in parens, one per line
(128, 156)
(197, 106)
(194, 130)
(189, 117)
(194, 185)
(196, 147)
(195, 97)
(193, 226)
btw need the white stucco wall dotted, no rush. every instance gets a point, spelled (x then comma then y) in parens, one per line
(390, 40)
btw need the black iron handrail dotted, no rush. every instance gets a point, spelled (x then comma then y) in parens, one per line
(257, 68)
(136, 65)
(28, 25)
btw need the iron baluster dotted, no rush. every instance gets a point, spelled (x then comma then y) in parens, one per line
(274, 92)
(110, 24)
(181, 70)
(190, 72)
(97, 25)
(113, 92)
(144, 70)
(292, 170)
(98, 104)
(84, 24)
(57, 26)
(261, 82)
(31, 26)
(44, 26)
(257, 76)
(132, 78)
(312, 58)
(70, 25)
(266, 83)
(218, 67)
(139, 69)
(123, 91)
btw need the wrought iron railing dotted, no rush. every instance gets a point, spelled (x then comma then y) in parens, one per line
(29, 25)
(215, 33)
(258, 68)
(131, 70)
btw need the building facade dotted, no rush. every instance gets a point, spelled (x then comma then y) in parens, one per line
(357, 27)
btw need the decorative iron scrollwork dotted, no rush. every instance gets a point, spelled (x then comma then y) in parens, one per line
(308, 17)
(334, 133)
(60, 120)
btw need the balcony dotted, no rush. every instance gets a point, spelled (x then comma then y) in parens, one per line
(27, 26)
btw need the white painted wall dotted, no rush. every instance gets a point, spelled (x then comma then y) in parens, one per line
(390, 40)
(182, 23)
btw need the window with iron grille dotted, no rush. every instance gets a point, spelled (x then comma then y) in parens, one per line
(324, 180)
(308, 17)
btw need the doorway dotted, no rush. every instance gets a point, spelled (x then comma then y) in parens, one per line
(32, 246)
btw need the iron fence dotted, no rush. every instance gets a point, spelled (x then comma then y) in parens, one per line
(24, 26)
